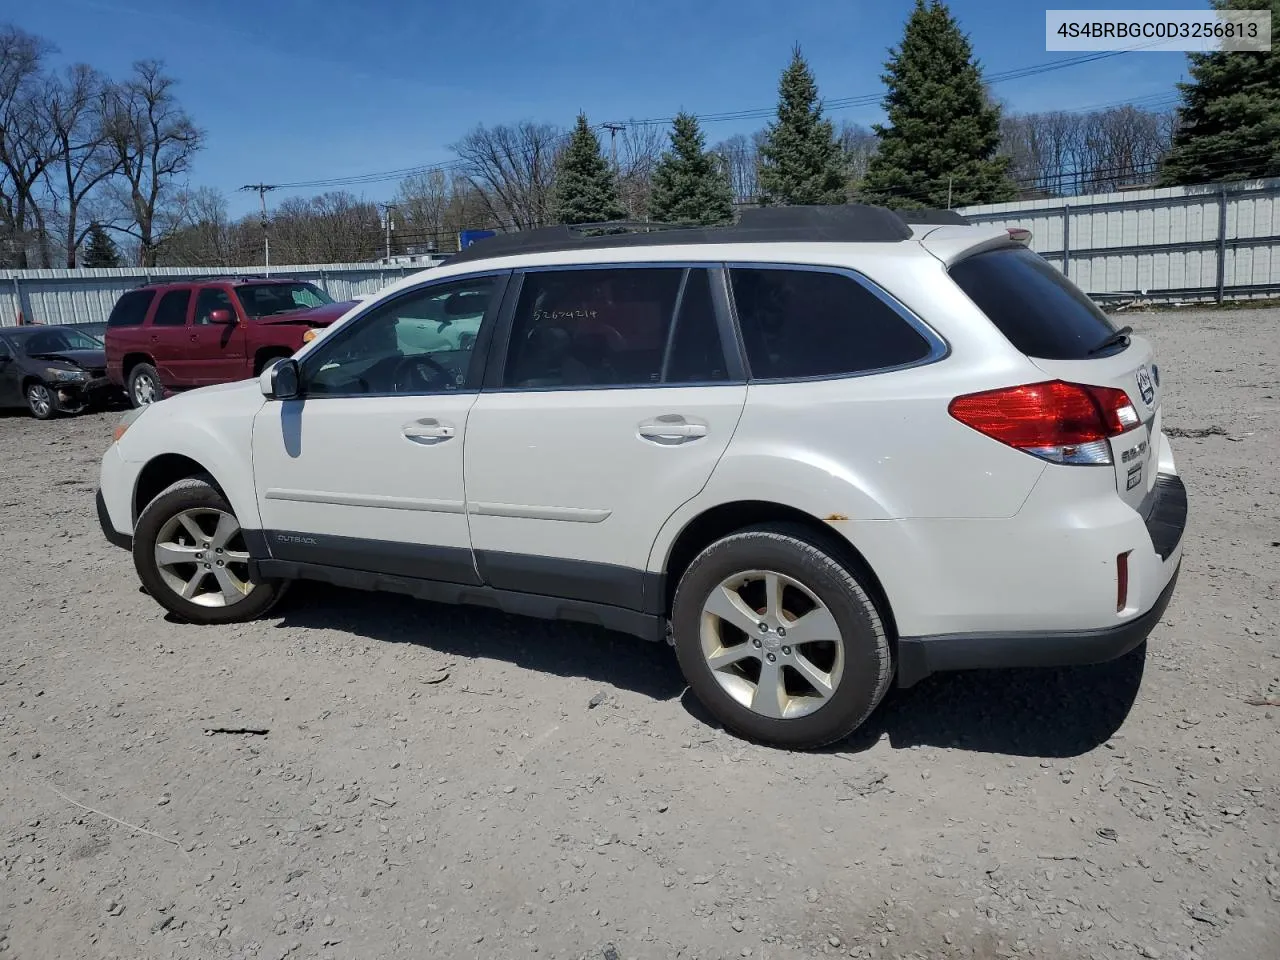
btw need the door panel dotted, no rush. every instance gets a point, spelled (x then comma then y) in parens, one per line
(595, 432)
(10, 379)
(169, 338)
(366, 470)
(216, 353)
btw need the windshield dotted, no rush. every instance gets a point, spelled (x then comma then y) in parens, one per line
(55, 340)
(270, 299)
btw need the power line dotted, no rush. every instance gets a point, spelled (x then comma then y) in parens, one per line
(841, 103)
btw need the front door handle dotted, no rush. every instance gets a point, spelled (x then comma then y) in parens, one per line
(429, 431)
(672, 428)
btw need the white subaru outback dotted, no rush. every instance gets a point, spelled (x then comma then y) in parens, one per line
(813, 450)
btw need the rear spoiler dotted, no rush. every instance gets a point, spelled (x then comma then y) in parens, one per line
(950, 244)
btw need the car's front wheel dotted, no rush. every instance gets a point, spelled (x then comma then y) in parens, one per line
(191, 555)
(40, 401)
(780, 639)
(144, 385)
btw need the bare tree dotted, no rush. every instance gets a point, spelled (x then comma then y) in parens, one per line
(639, 149)
(422, 205)
(859, 145)
(77, 109)
(154, 141)
(335, 227)
(741, 157)
(513, 168)
(204, 239)
(27, 144)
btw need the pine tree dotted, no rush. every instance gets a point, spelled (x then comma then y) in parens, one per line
(1230, 112)
(586, 191)
(101, 250)
(939, 146)
(690, 185)
(800, 159)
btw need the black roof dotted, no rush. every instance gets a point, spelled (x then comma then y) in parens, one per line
(842, 223)
(934, 217)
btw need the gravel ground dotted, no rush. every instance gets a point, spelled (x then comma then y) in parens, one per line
(444, 782)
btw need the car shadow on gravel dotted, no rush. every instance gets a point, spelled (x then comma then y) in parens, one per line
(557, 648)
(1063, 712)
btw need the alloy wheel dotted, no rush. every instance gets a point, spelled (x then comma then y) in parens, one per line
(771, 644)
(202, 557)
(40, 399)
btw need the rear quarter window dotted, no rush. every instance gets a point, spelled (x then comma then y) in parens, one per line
(131, 309)
(800, 324)
(1038, 310)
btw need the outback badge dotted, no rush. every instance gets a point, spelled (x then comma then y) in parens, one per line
(1145, 386)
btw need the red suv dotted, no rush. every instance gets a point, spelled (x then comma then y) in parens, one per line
(162, 337)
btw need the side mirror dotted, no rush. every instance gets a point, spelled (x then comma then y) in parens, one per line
(222, 317)
(280, 379)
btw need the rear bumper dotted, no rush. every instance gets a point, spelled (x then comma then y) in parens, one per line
(920, 656)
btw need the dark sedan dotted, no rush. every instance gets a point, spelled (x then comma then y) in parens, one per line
(52, 370)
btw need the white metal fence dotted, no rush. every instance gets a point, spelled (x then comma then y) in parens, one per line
(1212, 242)
(87, 295)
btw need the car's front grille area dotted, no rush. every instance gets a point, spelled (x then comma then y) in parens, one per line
(1164, 511)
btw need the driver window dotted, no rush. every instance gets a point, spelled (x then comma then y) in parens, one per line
(420, 342)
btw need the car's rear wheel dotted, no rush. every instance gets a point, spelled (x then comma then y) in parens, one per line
(144, 385)
(40, 401)
(191, 555)
(780, 639)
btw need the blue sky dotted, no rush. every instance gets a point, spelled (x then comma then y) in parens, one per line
(297, 90)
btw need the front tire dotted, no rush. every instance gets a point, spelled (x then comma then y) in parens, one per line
(779, 638)
(191, 555)
(144, 385)
(40, 401)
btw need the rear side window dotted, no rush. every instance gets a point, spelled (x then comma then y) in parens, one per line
(172, 311)
(131, 309)
(1039, 310)
(815, 323)
(613, 327)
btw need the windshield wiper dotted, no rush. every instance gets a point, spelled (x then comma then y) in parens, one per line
(1120, 336)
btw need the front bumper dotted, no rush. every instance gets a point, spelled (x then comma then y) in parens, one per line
(74, 396)
(113, 536)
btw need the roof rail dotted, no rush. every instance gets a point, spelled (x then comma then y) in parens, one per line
(836, 223)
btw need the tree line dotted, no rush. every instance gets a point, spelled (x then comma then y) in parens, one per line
(88, 163)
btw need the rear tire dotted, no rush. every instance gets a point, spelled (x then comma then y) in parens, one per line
(799, 671)
(144, 385)
(191, 556)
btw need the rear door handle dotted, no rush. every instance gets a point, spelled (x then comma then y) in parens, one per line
(672, 428)
(429, 431)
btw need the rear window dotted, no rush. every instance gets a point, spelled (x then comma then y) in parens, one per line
(1039, 311)
(131, 309)
(172, 311)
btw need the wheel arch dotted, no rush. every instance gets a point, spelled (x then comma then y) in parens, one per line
(723, 519)
(264, 355)
(131, 360)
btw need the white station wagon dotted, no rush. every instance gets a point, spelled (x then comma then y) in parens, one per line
(814, 450)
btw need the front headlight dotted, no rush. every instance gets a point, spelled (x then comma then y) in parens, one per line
(127, 421)
(61, 375)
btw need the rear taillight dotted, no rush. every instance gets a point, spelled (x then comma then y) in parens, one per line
(1056, 421)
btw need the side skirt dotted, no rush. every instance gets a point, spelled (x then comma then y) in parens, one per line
(644, 625)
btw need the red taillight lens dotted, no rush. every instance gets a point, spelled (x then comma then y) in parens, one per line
(1058, 421)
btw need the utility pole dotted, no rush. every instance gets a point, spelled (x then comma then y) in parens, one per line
(262, 189)
(389, 224)
(949, 179)
(613, 129)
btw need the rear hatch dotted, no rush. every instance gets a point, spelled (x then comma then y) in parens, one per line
(1065, 334)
